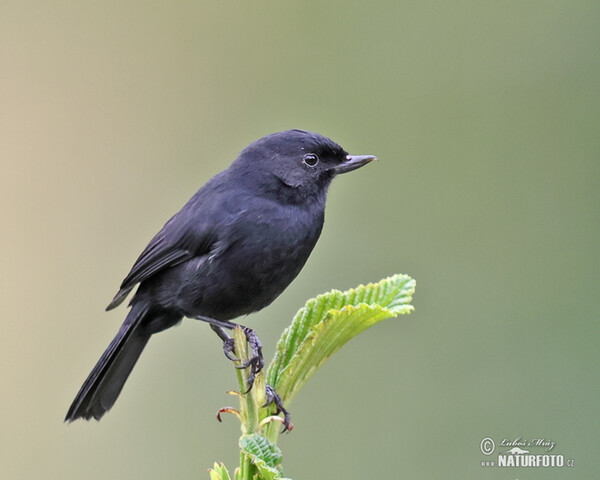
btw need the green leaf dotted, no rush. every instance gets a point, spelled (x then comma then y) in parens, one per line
(265, 456)
(327, 322)
(219, 472)
(265, 472)
(259, 448)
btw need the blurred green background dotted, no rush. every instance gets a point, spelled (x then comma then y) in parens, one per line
(486, 119)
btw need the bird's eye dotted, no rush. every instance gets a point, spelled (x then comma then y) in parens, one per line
(310, 159)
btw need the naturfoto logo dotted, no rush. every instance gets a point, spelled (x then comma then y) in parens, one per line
(521, 453)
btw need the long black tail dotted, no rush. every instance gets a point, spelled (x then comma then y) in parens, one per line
(103, 385)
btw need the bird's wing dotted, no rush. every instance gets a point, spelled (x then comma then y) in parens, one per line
(174, 244)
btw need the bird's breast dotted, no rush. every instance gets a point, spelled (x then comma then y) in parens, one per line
(264, 250)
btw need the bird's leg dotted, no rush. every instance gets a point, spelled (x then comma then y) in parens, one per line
(274, 398)
(256, 361)
(228, 343)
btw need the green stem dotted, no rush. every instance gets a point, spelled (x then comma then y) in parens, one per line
(272, 432)
(246, 468)
(249, 406)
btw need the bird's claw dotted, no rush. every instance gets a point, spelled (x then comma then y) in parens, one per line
(229, 349)
(256, 348)
(256, 361)
(274, 398)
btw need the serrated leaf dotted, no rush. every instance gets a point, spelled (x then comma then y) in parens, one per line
(265, 472)
(219, 472)
(329, 321)
(261, 449)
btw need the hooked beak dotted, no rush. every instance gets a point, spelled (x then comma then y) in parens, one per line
(353, 162)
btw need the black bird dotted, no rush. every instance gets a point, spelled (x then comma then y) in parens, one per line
(230, 251)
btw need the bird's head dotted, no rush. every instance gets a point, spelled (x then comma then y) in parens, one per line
(296, 164)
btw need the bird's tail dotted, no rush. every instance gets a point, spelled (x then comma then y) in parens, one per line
(103, 385)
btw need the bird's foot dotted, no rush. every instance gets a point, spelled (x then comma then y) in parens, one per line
(256, 362)
(273, 398)
(228, 342)
(229, 349)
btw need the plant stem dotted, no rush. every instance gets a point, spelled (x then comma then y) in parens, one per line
(272, 431)
(249, 402)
